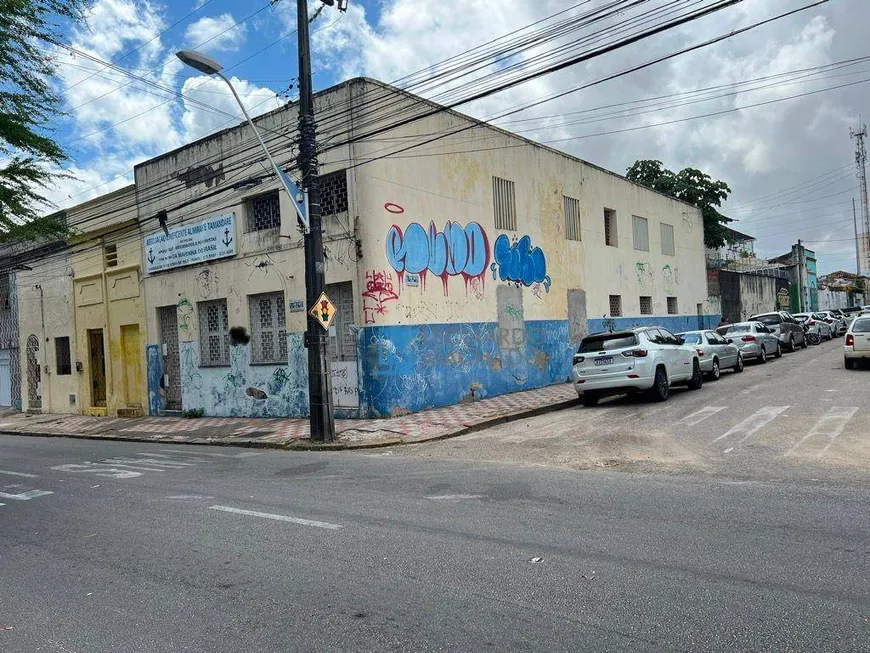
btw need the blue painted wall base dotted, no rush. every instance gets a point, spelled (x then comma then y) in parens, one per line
(673, 323)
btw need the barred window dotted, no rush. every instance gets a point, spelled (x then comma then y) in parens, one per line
(615, 305)
(341, 345)
(5, 290)
(640, 231)
(333, 193)
(645, 305)
(504, 203)
(672, 306)
(62, 355)
(268, 328)
(668, 247)
(572, 217)
(264, 212)
(610, 236)
(214, 333)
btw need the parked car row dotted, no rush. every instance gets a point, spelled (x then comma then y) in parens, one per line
(651, 359)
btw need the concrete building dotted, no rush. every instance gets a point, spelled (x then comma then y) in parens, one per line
(10, 362)
(800, 264)
(465, 268)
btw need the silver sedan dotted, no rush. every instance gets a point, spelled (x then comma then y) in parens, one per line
(715, 352)
(753, 339)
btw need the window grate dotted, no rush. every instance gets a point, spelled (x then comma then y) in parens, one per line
(333, 193)
(672, 306)
(264, 212)
(5, 291)
(615, 305)
(504, 203)
(646, 305)
(62, 356)
(214, 333)
(110, 255)
(268, 328)
(640, 232)
(572, 217)
(668, 246)
(610, 235)
(342, 334)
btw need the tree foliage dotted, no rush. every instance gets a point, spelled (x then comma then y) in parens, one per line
(29, 101)
(692, 186)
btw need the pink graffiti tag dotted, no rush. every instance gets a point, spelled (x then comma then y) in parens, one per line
(379, 291)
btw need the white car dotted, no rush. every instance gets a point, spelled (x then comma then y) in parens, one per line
(857, 342)
(643, 359)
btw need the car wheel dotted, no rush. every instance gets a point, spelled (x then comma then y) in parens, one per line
(849, 363)
(697, 379)
(778, 353)
(804, 343)
(589, 400)
(660, 388)
(716, 373)
(791, 345)
(739, 366)
(762, 357)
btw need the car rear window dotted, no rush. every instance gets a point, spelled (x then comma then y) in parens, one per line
(606, 342)
(692, 338)
(738, 328)
(768, 319)
(861, 325)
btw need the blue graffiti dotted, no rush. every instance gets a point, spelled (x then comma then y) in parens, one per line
(455, 250)
(519, 262)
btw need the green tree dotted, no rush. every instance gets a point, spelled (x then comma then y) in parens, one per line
(29, 100)
(692, 186)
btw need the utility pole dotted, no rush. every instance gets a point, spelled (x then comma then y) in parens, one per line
(857, 242)
(800, 275)
(861, 162)
(322, 419)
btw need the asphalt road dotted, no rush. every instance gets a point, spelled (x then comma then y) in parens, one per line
(112, 546)
(802, 417)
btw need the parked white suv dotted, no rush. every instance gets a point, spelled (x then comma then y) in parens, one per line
(856, 344)
(643, 359)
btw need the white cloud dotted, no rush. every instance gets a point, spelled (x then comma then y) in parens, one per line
(215, 34)
(198, 122)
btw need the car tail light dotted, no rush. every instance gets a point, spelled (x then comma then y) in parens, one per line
(700, 351)
(579, 359)
(748, 338)
(636, 353)
(828, 320)
(850, 340)
(811, 321)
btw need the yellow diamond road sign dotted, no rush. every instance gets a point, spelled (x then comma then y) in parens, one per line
(323, 311)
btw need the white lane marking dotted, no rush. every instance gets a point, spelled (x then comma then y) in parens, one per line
(835, 431)
(138, 468)
(454, 497)
(831, 423)
(701, 415)
(752, 424)
(190, 496)
(4, 471)
(25, 496)
(144, 462)
(91, 468)
(246, 454)
(267, 515)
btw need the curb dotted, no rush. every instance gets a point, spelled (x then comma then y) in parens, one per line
(307, 445)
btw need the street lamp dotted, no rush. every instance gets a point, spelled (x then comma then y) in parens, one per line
(204, 64)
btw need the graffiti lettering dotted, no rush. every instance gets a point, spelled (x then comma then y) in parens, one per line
(379, 290)
(455, 251)
(519, 262)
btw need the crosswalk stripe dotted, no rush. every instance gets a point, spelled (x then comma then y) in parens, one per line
(699, 416)
(752, 424)
(831, 424)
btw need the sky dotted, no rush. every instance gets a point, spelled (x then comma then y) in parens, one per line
(789, 161)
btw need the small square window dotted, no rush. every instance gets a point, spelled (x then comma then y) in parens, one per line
(572, 217)
(610, 235)
(5, 292)
(645, 305)
(62, 356)
(615, 305)
(264, 212)
(268, 328)
(672, 306)
(214, 333)
(110, 255)
(333, 193)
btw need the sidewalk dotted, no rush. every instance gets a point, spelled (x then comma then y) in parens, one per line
(293, 433)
